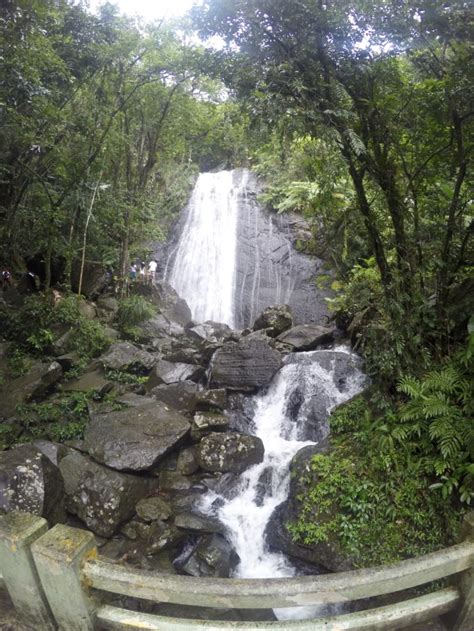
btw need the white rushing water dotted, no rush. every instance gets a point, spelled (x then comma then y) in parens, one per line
(320, 379)
(203, 272)
(315, 376)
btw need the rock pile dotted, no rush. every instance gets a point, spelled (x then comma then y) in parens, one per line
(162, 437)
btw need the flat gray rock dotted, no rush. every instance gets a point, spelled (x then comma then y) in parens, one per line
(307, 337)
(165, 372)
(127, 356)
(247, 364)
(229, 452)
(180, 396)
(135, 439)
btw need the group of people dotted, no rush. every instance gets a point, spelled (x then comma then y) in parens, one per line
(144, 273)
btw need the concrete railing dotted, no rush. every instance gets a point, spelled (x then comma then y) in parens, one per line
(55, 579)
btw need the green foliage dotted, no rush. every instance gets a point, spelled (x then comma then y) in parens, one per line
(31, 329)
(374, 515)
(89, 339)
(18, 362)
(132, 311)
(124, 377)
(376, 494)
(62, 418)
(439, 415)
(348, 417)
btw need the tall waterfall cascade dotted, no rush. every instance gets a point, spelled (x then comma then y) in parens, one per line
(233, 258)
(204, 263)
(300, 397)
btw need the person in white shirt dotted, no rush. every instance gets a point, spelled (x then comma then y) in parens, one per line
(152, 265)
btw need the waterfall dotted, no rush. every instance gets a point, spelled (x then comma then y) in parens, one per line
(299, 398)
(234, 258)
(203, 272)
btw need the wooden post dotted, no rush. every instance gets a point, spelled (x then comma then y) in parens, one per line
(17, 532)
(465, 619)
(59, 556)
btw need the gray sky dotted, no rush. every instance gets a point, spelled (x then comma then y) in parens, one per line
(149, 9)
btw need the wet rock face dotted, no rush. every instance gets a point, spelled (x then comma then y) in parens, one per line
(135, 439)
(274, 320)
(244, 365)
(269, 269)
(30, 482)
(103, 499)
(229, 452)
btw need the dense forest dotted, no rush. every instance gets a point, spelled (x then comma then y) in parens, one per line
(357, 115)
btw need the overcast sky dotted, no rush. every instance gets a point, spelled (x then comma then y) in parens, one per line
(149, 9)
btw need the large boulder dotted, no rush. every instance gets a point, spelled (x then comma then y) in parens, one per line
(245, 365)
(30, 482)
(92, 381)
(213, 332)
(158, 327)
(205, 423)
(325, 554)
(165, 372)
(197, 523)
(274, 320)
(180, 396)
(229, 452)
(215, 399)
(169, 304)
(307, 337)
(135, 439)
(34, 386)
(153, 508)
(213, 556)
(102, 498)
(128, 357)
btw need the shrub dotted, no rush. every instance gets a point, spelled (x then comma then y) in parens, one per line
(132, 311)
(62, 418)
(439, 416)
(376, 516)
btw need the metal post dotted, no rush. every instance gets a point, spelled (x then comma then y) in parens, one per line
(59, 556)
(17, 532)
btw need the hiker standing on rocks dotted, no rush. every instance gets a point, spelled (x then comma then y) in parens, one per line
(152, 265)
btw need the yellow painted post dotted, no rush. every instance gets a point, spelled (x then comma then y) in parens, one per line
(17, 532)
(59, 556)
(465, 619)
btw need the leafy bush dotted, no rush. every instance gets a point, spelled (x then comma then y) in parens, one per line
(89, 339)
(439, 416)
(132, 311)
(124, 377)
(376, 516)
(62, 418)
(31, 327)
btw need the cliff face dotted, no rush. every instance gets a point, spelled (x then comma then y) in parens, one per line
(269, 270)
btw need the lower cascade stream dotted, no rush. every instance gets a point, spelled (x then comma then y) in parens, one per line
(292, 414)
